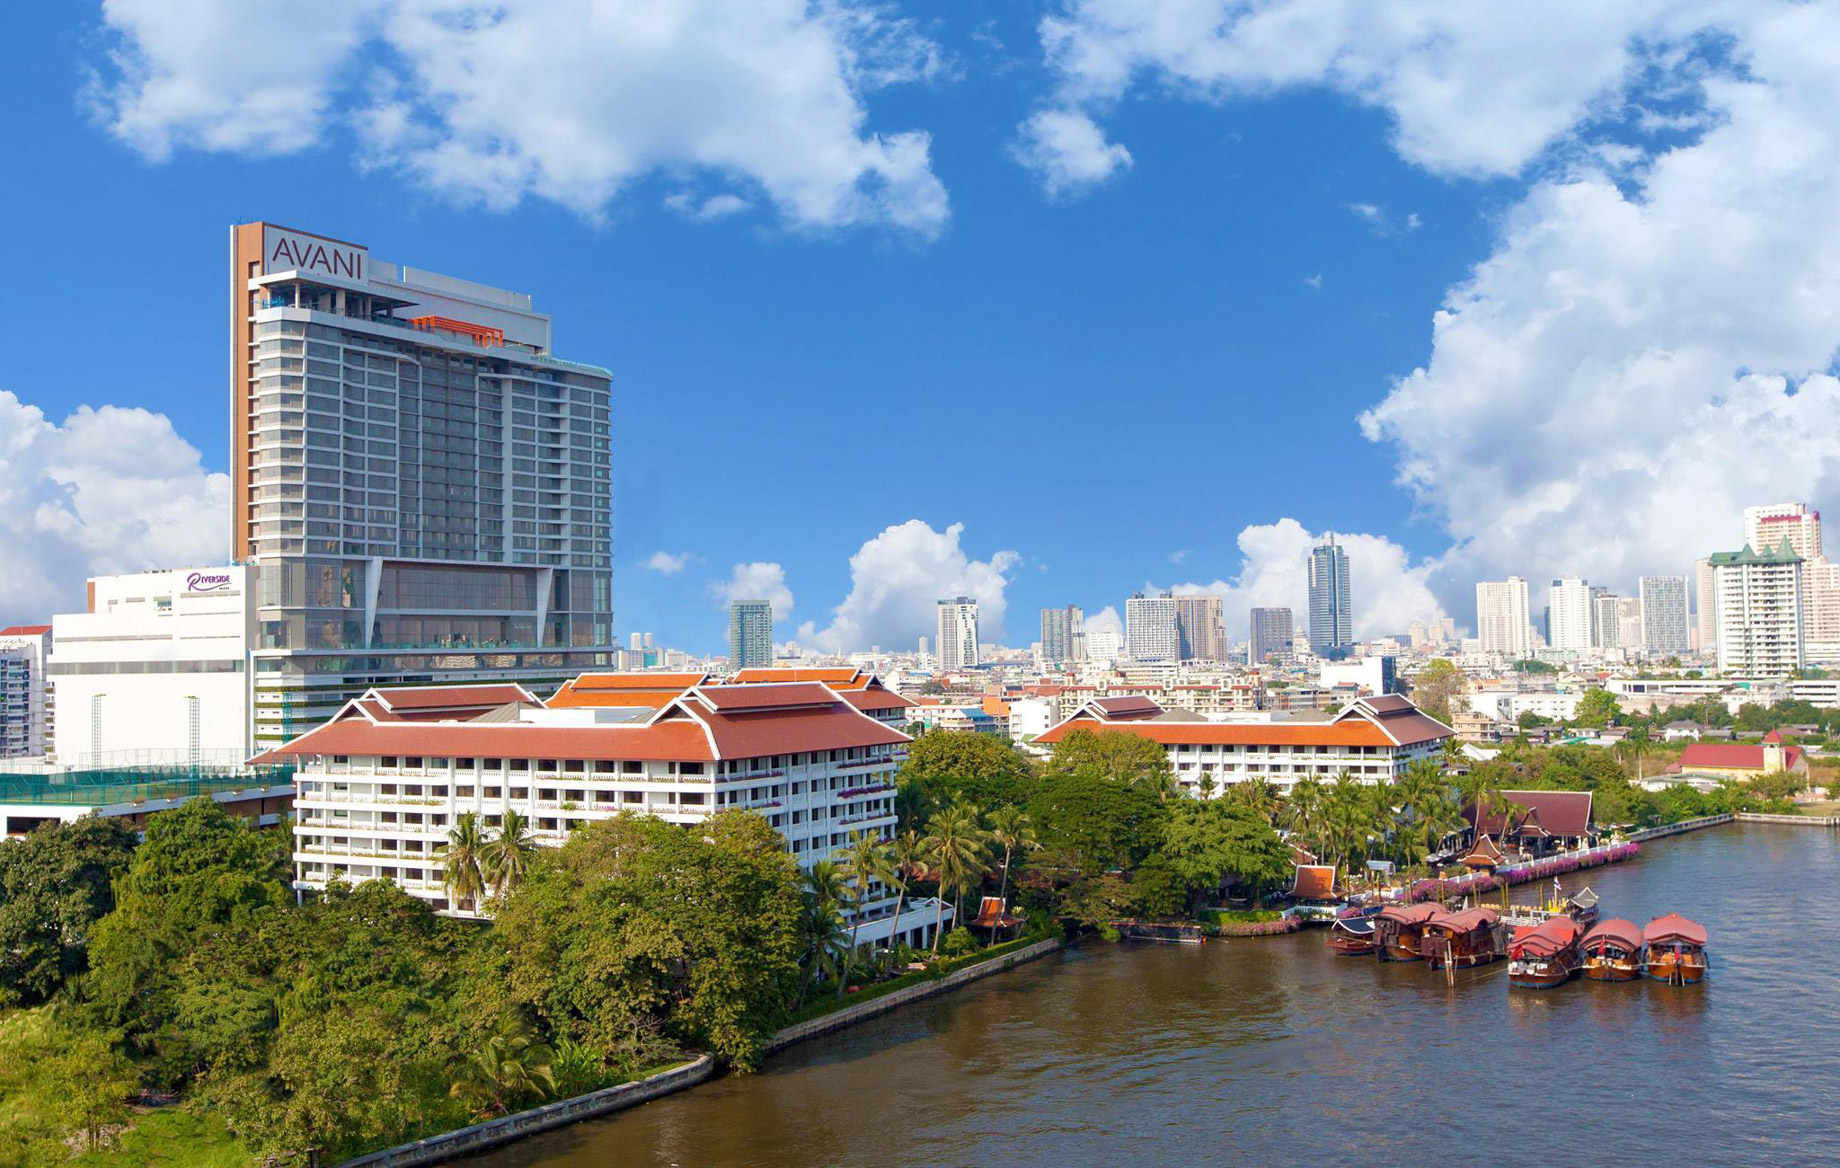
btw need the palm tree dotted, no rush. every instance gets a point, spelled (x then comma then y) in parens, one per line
(506, 858)
(957, 849)
(460, 859)
(1010, 830)
(906, 858)
(1453, 754)
(511, 1064)
(821, 925)
(1302, 813)
(1635, 746)
(865, 861)
(1256, 795)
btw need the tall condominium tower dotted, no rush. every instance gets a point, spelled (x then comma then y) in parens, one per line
(1270, 637)
(1062, 634)
(1664, 614)
(750, 634)
(1150, 629)
(1706, 606)
(958, 633)
(1201, 628)
(1569, 615)
(1501, 617)
(1331, 614)
(1760, 610)
(421, 487)
(1767, 526)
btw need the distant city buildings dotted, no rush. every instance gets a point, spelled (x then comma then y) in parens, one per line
(750, 634)
(1063, 634)
(1705, 607)
(1104, 644)
(1150, 632)
(1201, 628)
(957, 633)
(25, 698)
(1271, 638)
(1760, 610)
(1663, 615)
(1331, 612)
(1569, 615)
(1501, 617)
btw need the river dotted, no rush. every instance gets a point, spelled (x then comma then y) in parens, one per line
(1272, 1051)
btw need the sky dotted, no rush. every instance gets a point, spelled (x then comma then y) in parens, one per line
(903, 301)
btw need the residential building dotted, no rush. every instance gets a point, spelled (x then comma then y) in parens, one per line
(1201, 629)
(1665, 631)
(1063, 634)
(156, 672)
(1628, 618)
(1150, 633)
(420, 487)
(382, 784)
(1374, 739)
(1331, 613)
(25, 698)
(1371, 676)
(1104, 644)
(1798, 523)
(1271, 638)
(1501, 617)
(1706, 607)
(957, 634)
(1821, 620)
(1760, 610)
(750, 634)
(1569, 615)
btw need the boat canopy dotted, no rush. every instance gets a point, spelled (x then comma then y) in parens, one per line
(1674, 927)
(1616, 931)
(1585, 899)
(1552, 937)
(1411, 914)
(1356, 926)
(1463, 922)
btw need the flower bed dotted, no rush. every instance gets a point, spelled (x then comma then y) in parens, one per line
(1258, 928)
(1512, 874)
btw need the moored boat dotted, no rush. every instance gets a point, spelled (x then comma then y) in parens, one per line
(1399, 930)
(1612, 951)
(1675, 949)
(1583, 908)
(1473, 937)
(1544, 956)
(1353, 936)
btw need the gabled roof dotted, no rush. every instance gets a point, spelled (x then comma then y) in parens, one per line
(25, 630)
(436, 702)
(1402, 721)
(1393, 722)
(624, 689)
(1561, 813)
(1126, 709)
(1314, 882)
(1621, 933)
(1553, 936)
(1729, 756)
(1782, 553)
(1674, 927)
(839, 678)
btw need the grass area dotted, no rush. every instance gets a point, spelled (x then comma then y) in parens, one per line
(829, 1003)
(1219, 916)
(171, 1137)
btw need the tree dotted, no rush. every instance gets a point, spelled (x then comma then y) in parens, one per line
(463, 861)
(94, 1084)
(1597, 708)
(954, 765)
(906, 860)
(1256, 796)
(865, 862)
(1011, 830)
(1436, 687)
(1302, 813)
(55, 884)
(1090, 824)
(505, 858)
(957, 848)
(823, 938)
(509, 1066)
(1118, 755)
(1211, 844)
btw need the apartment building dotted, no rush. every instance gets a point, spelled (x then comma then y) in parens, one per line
(1063, 634)
(1331, 604)
(1502, 624)
(957, 628)
(1150, 632)
(25, 696)
(1571, 616)
(750, 634)
(1663, 612)
(1201, 629)
(1271, 636)
(381, 785)
(1760, 610)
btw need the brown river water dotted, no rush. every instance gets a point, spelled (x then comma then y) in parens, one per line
(1273, 1051)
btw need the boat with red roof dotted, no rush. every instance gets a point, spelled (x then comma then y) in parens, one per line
(1474, 936)
(1612, 951)
(1399, 930)
(1545, 956)
(1676, 949)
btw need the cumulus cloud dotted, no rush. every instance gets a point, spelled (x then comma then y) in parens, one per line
(108, 490)
(1379, 222)
(705, 210)
(897, 580)
(566, 102)
(666, 563)
(1388, 589)
(756, 581)
(1068, 150)
(1105, 620)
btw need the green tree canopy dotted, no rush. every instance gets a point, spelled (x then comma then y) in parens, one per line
(1597, 708)
(1118, 755)
(960, 765)
(55, 884)
(1211, 844)
(1089, 822)
(1436, 686)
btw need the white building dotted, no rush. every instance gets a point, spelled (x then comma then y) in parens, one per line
(1769, 525)
(1502, 625)
(1706, 610)
(1150, 633)
(1104, 644)
(381, 785)
(1371, 676)
(1760, 611)
(1663, 611)
(25, 698)
(1569, 615)
(1508, 705)
(957, 634)
(1030, 718)
(157, 672)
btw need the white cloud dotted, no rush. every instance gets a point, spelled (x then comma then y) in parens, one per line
(109, 490)
(1178, 556)
(756, 581)
(1069, 150)
(1314, 281)
(525, 98)
(1368, 213)
(1105, 620)
(1381, 223)
(1387, 588)
(896, 581)
(668, 564)
(705, 210)
(1413, 222)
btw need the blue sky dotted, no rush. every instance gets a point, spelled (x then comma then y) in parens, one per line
(1097, 374)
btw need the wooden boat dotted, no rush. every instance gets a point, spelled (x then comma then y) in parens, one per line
(1475, 936)
(1400, 928)
(1353, 937)
(1676, 949)
(1612, 951)
(1544, 956)
(1583, 908)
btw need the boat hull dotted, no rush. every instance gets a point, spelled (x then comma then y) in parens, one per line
(1677, 968)
(1612, 969)
(1540, 975)
(1401, 951)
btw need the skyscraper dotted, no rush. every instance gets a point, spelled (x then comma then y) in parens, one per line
(1760, 610)
(1060, 633)
(1271, 635)
(750, 634)
(1605, 627)
(1706, 606)
(1767, 526)
(1331, 614)
(1501, 617)
(421, 487)
(1569, 616)
(1201, 629)
(1664, 614)
(957, 633)
(1150, 629)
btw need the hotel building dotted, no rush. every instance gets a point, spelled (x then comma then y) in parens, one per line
(382, 784)
(421, 489)
(1373, 739)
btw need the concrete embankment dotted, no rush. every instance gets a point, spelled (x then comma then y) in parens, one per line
(1796, 820)
(1685, 825)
